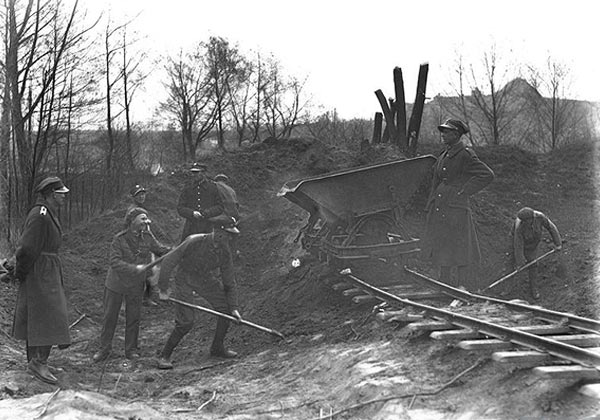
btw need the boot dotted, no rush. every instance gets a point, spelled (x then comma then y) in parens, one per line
(164, 360)
(41, 371)
(37, 365)
(100, 355)
(217, 349)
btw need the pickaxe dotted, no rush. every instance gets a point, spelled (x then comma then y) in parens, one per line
(229, 317)
(518, 270)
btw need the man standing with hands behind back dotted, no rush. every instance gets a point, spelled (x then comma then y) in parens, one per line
(41, 309)
(198, 202)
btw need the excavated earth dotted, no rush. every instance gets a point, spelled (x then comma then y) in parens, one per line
(336, 361)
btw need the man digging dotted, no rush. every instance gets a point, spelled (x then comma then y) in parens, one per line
(198, 258)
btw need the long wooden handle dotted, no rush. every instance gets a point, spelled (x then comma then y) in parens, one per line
(518, 270)
(229, 317)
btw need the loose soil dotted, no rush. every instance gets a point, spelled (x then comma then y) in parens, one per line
(336, 358)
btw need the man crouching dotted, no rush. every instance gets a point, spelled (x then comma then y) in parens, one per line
(198, 257)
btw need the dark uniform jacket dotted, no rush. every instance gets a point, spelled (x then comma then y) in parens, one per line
(527, 235)
(203, 197)
(458, 174)
(198, 261)
(41, 309)
(126, 251)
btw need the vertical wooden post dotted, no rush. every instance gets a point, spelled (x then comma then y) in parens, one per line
(377, 125)
(390, 126)
(400, 109)
(414, 125)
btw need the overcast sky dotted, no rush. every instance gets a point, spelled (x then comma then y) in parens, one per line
(348, 49)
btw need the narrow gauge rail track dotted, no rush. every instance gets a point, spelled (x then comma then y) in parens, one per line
(566, 345)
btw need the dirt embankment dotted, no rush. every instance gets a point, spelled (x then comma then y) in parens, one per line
(335, 356)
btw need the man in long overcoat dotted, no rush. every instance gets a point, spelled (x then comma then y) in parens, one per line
(41, 310)
(199, 202)
(451, 234)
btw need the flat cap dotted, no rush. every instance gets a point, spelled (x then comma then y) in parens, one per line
(221, 177)
(52, 183)
(132, 214)
(456, 125)
(525, 213)
(136, 190)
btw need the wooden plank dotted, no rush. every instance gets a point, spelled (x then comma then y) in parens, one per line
(454, 335)
(486, 344)
(590, 390)
(400, 316)
(430, 326)
(581, 340)
(522, 357)
(422, 295)
(350, 292)
(566, 372)
(365, 298)
(397, 287)
(528, 356)
(465, 334)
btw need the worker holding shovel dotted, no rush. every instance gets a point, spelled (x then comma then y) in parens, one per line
(527, 233)
(205, 269)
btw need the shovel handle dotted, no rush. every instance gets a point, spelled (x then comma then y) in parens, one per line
(518, 270)
(229, 317)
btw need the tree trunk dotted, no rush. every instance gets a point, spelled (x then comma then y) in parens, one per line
(390, 126)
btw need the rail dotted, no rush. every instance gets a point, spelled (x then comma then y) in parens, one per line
(562, 350)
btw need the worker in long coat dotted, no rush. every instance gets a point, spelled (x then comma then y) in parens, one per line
(204, 268)
(41, 310)
(451, 234)
(198, 202)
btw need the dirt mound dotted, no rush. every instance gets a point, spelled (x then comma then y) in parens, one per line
(334, 355)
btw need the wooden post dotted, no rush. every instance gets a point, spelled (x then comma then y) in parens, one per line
(387, 113)
(414, 124)
(400, 109)
(377, 125)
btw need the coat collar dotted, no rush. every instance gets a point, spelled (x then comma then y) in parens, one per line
(454, 149)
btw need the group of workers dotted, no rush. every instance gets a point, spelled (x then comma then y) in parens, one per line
(451, 237)
(202, 262)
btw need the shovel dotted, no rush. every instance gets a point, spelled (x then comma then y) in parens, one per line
(229, 317)
(518, 270)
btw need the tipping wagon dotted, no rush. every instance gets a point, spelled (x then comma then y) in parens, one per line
(358, 213)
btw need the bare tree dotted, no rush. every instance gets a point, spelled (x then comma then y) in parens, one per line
(283, 102)
(38, 38)
(458, 104)
(133, 78)
(558, 117)
(491, 97)
(228, 70)
(189, 98)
